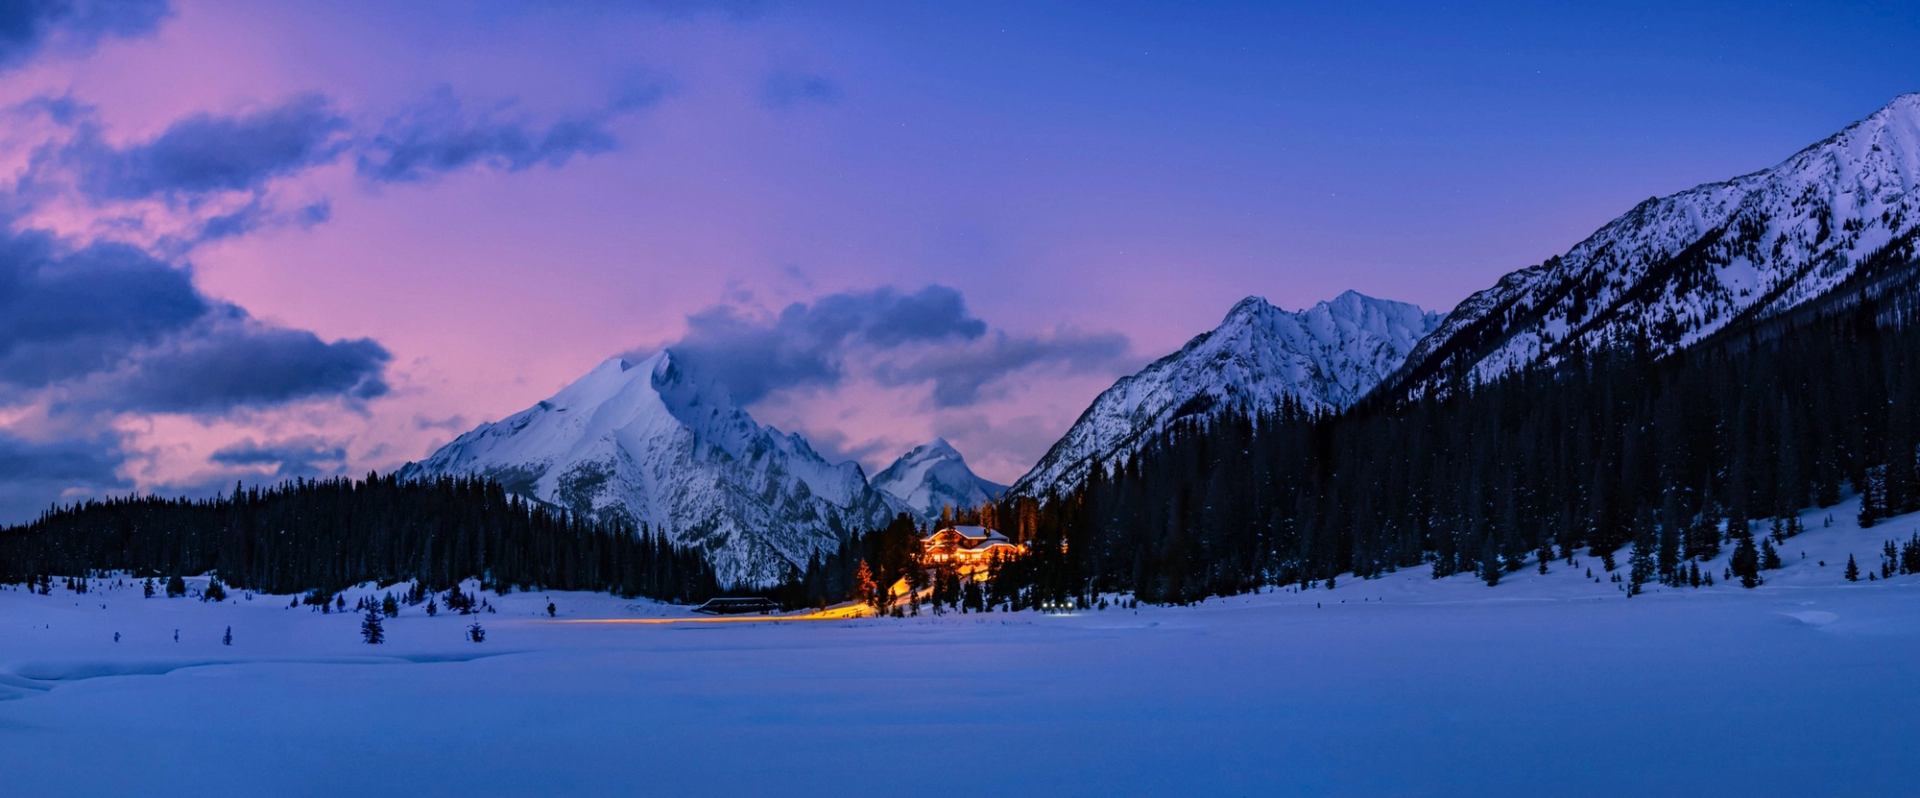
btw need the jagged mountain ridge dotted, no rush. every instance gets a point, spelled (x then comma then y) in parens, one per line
(1674, 270)
(934, 476)
(652, 443)
(1324, 358)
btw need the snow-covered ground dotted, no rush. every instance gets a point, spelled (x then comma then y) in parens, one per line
(1402, 685)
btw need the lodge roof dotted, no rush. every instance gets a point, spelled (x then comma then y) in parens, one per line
(974, 534)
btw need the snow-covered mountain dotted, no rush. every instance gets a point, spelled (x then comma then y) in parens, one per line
(1324, 358)
(1676, 269)
(934, 476)
(651, 443)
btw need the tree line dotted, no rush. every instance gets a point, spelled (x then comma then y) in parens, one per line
(328, 534)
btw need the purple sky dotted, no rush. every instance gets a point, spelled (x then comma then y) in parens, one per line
(250, 239)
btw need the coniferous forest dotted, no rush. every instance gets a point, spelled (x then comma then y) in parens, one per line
(1716, 447)
(329, 534)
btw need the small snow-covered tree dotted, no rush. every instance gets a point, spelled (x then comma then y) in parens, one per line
(390, 607)
(215, 591)
(1853, 569)
(476, 633)
(227, 639)
(146, 588)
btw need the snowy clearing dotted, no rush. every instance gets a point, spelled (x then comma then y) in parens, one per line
(1401, 685)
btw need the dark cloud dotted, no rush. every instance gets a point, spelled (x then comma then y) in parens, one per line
(34, 475)
(69, 313)
(235, 362)
(782, 90)
(257, 214)
(442, 135)
(297, 457)
(959, 374)
(109, 328)
(205, 153)
(807, 344)
(29, 27)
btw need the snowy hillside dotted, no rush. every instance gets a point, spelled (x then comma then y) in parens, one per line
(934, 476)
(1676, 269)
(1324, 358)
(653, 444)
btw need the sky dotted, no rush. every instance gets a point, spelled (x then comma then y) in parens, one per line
(246, 241)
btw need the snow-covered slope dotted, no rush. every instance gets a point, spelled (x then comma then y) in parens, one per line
(934, 476)
(651, 443)
(1324, 358)
(1676, 269)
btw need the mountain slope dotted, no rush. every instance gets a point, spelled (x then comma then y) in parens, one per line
(1324, 358)
(934, 476)
(652, 444)
(1674, 270)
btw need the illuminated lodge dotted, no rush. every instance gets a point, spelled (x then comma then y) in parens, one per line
(969, 545)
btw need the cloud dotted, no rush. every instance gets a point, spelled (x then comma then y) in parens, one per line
(296, 457)
(107, 327)
(34, 475)
(68, 313)
(808, 343)
(959, 374)
(896, 338)
(442, 135)
(232, 362)
(205, 153)
(783, 90)
(30, 27)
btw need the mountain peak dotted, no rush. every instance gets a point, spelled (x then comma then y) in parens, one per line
(1677, 269)
(1252, 305)
(657, 443)
(932, 477)
(1322, 358)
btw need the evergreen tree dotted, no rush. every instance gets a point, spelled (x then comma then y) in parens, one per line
(476, 634)
(214, 591)
(371, 629)
(227, 639)
(1745, 562)
(389, 606)
(1853, 570)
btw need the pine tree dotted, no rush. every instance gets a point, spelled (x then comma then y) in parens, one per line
(476, 634)
(371, 630)
(227, 639)
(1853, 569)
(176, 587)
(214, 592)
(552, 610)
(390, 607)
(433, 607)
(146, 588)
(1745, 562)
(1769, 556)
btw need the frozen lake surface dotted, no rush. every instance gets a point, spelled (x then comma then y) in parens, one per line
(1401, 685)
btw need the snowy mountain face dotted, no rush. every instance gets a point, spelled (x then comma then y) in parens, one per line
(649, 443)
(1674, 270)
(1323, 358)
(932, 477)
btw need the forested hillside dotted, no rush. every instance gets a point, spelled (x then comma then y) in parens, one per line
(1682, 455)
